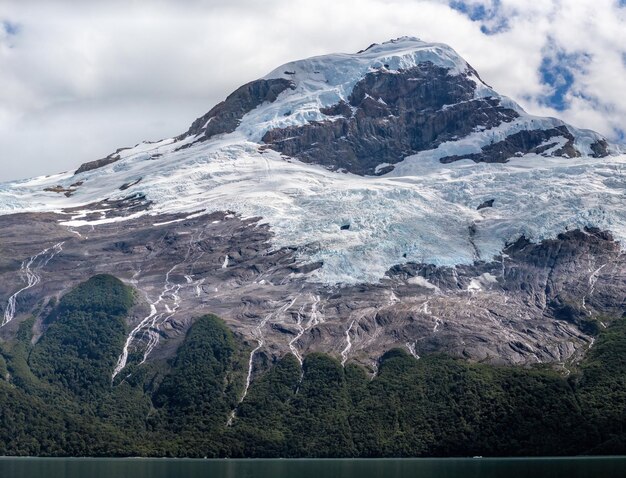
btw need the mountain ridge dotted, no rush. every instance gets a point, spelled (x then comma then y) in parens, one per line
(315, 88)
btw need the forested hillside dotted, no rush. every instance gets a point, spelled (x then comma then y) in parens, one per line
(57, 398)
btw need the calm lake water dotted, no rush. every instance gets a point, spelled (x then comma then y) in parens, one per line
(419, 468)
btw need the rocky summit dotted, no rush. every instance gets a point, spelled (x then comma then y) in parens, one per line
(348, 204)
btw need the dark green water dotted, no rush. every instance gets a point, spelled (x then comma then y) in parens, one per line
(419, 468)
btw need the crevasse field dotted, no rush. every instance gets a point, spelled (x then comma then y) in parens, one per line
(421, 212)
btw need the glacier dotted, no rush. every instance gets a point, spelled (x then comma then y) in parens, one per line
(422, 211)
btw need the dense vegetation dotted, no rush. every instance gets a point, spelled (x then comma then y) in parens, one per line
(85, 334)
(56, 396)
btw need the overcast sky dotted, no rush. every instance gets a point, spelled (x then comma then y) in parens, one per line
(78, 79)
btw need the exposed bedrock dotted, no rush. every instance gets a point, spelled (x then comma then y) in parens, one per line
(538, 141)
(225, 117)
(532, 294)
(100, 163)
(535, 303)
(391, 115)
(222, 118)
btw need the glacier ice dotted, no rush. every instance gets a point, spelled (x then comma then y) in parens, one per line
(420, 211)
(422, 215)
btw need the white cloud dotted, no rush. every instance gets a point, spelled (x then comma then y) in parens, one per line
(80, 79)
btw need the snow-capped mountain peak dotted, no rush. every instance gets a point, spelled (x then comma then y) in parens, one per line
(314, 84)
(347, 203)
(401, 141)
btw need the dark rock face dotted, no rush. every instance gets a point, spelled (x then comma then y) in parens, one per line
(558, 287)
(532, 141)
(583, 268)
(391, 115)
(536, 303)
(580, 268)
(222, 118)
(127, 185)
(225, 117)
(112, 208)
(600, 148)
(98, 163)
(486, 204)
(186, 254)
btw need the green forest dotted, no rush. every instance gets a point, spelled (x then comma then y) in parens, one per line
(57, 398)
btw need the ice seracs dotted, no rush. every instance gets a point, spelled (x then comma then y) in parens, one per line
(421, 217)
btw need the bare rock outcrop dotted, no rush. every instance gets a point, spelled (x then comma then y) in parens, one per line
(536, 303)
(225, 117)
(391, 115)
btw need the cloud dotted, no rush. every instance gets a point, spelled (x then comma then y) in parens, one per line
(80, 79)
(571, 58)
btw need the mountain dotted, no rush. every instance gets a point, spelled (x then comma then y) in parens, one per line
(351, 216)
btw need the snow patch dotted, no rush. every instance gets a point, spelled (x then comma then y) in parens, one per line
(422, 282)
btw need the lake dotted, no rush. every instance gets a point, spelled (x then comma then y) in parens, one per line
(602, 467)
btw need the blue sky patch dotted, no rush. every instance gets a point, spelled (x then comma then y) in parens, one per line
(9, 33)
(473, 11)
(10, 28)
(491, 19)
(557, 71)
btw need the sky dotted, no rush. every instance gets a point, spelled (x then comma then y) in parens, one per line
(79, 79)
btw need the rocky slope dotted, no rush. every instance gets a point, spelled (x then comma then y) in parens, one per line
(56, 396)
(345, 204)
